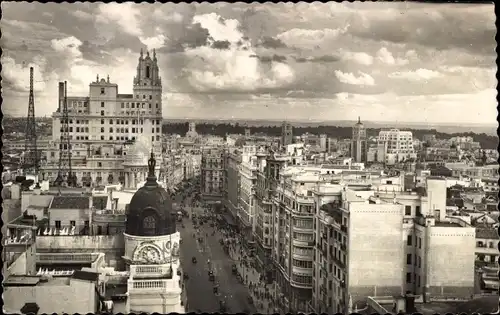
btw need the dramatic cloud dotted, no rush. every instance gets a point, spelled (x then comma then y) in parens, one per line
(382, 60)
(232, 68)
(349, 78)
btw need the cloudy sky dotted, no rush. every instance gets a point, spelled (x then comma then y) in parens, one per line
(409, 62)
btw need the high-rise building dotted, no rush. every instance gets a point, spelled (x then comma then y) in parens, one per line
(408, 250)
(213, 173)
(232, 181)
(104, 124)
(286, 134)
(394, 146)
(269, 167)
(358, 143)
(248, 181)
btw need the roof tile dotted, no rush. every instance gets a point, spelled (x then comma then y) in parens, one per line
(70, 202)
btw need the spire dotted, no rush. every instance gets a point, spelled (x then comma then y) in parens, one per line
(97, 79)
(108, 78)
(141, 54)
(147, 53)
(359, 119)
(154, 53)
(151, 180)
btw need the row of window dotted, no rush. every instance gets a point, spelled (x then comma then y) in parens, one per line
(134, 121)
(418, 241)
(302, 264)
(418, 260)
(408, 210)
(416, 279)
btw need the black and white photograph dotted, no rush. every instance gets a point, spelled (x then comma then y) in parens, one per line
(255, 158)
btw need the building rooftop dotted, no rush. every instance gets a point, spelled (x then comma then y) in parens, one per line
(21, 281)
(481, 305)
(70, 202)
(446, 224)
(486, 233)
(29, 220)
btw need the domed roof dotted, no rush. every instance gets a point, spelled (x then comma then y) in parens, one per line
(137, 153)
(150, 210)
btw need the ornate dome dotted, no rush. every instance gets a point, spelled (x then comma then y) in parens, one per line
(150, 211)
(137, 154)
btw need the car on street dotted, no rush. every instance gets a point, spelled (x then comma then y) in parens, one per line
(234, 269)
(193, 260)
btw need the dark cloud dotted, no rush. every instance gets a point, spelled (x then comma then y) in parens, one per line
(443, 30)
(189, 37)
(271, 42)
(324, 58)
(221, 44)
(273, 58)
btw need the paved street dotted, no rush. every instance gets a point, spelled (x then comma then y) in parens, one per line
(199, 289)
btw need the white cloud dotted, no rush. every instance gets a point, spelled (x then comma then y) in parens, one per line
(350, 78)
(220, 29)
(386, 57)
(18, 75)
(153, 42)
(68, 46)
(358, 57)
(82, 15)
(417, 75)
(233, 68)
(126, 15)
(309, 38)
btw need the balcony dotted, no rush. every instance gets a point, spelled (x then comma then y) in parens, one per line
(152, 271)
(150, 286)
(343, 228)
(302, 285)
(63, 258)
(338, 262)
(303, 229)
(301, 242)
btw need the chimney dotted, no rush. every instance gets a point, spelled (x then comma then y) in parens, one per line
(61, 95)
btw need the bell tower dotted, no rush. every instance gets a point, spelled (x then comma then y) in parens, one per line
(148, 97)
(147, 70)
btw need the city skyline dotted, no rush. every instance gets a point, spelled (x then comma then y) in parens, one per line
(272, 61)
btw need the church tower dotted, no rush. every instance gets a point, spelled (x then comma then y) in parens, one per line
(148, 97)
(152, 245)
(358, 142)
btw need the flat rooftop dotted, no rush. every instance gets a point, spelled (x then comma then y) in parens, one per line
(481, 305)
(447, 224)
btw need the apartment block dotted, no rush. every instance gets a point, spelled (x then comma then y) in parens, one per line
(212, 173)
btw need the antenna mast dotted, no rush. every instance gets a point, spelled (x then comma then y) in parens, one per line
(65, 175)
(31, 158)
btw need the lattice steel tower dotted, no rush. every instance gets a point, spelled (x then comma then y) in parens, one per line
(65, 174)
(31, 157)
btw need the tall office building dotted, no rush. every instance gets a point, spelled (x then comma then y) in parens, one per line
(213, 173)
(395, 146)
(104, 124)
(358, 142)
